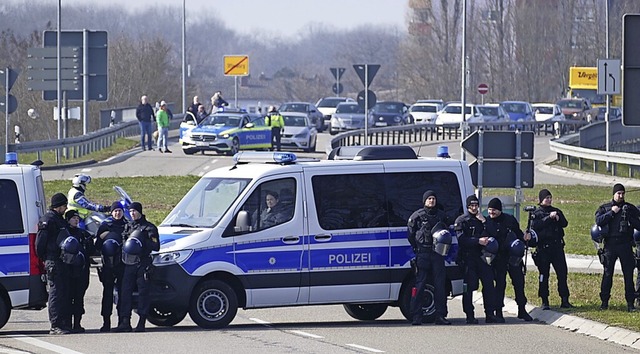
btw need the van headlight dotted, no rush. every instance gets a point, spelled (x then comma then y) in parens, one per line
(168, 258)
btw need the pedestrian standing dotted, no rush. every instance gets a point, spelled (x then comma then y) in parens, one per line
(146, 117)
(141, 239)
(549, 222)
(618, 218)
(162, 118)
(472, 239)
(276, 122)
(430, 265)
(505, 228)
(48, 249)
(78, 270)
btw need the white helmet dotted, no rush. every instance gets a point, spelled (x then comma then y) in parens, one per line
(81, 180)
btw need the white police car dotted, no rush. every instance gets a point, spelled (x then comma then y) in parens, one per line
(338, 235)
(226, 131)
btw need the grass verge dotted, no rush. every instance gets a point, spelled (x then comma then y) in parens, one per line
(49, 157)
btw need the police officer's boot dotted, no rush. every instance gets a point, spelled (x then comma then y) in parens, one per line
(125, 325)
(523, 314)
(565, 304)
(141, 323)
(499, 316)
(545, 303)
(77, 328)
(106, 324)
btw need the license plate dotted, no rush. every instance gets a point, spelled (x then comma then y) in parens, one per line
(381, 124)
(202, 143)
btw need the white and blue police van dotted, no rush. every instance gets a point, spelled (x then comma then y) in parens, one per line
(22, 203)
(341, 237)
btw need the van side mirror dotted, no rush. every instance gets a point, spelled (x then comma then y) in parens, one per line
(242, 222)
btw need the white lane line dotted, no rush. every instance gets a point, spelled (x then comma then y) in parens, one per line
(5, 350)
(86, 170)
(307, 334)
(366, 348)
(257, 320)
(44, 345)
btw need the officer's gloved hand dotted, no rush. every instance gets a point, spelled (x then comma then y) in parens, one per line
(106, 209)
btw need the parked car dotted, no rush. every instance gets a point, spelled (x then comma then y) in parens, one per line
(544, 112)
(424, 113)
(451, 114)
(578, 108)
(438, 101)
(327, 106)
(489, 114)
(299, 133)
(304, 107)
(348, 116)
(614, 113)
(388, 113)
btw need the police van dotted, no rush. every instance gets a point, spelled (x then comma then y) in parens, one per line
(339, 235)
(22, 203)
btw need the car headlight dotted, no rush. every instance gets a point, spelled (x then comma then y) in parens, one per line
(575, 114)
(225, 136)
(168, 258)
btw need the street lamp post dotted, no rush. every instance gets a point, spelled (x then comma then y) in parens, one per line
(463, 97)
(184, 56)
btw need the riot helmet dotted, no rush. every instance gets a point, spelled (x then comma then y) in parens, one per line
(636, 235)
(110, 247)
(442, 239)
(131, 251)
(533, 242)
(597, 232)
(516, 252)
(70, 245)
(490, 250)
(78, 260)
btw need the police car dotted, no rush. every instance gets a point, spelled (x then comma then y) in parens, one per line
(22, 202)
(226, 131)
(340, 235)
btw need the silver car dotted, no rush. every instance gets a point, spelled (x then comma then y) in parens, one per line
(299, 133)
(348, 116)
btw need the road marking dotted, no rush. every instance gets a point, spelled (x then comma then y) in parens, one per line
(366, 348)
(44, 345)
(307, 334)
(5, 350)
(257, 320)
(86, 170)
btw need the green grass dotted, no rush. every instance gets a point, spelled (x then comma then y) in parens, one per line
(49, 157)
(587, 166)
(585, 290)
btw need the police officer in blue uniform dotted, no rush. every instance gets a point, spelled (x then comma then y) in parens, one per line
(471, 239)
(78, 268)
(48, 249)
(141, 239)
(549, 222)
(620, 218)
(505, 228)
(109, 243)
(430, 265)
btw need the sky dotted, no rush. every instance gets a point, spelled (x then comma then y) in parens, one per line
(287, 16)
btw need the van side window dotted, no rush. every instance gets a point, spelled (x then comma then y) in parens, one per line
(272, 203)
(10, 209)
(350, 201)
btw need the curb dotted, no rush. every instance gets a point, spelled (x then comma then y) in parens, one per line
(68, 165)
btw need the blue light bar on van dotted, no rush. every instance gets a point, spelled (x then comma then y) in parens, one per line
(11, 158)
(264, 157)
(443, 151)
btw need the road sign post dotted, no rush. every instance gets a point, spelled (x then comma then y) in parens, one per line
(483, 89)
(9, 102)
(337, 74)
(236, 65)
(366, 73)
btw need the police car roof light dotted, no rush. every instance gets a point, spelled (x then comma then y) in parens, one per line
(231, 109)
(443, 151)
(264, 157)
(11, 158)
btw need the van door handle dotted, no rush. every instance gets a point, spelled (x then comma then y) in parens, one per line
(322, 237)
(291, 239)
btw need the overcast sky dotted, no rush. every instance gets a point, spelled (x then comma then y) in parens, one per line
(286, 17)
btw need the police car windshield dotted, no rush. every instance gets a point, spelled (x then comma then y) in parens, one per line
(222, 120)
(206, 202)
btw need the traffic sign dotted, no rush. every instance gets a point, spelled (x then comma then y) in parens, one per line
(337, 72)
(236, 65)
(502, 173)
(371, 71)
(12, 106)
(630, 69)
(49, 74)
(337, 88)
(499, 145)
(609, 77)
(483, 89)
(52, 85)
(12, 76)
(49, 63)
(371, 99)
(52, 52)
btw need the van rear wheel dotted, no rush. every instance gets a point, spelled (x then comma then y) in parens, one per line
(365, 312)
(5, 310)
(214, 304)
(165, 317)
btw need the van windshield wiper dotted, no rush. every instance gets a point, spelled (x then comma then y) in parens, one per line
(182, 225)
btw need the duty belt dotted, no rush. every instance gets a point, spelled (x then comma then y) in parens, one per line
(550, 243)
(424, 248)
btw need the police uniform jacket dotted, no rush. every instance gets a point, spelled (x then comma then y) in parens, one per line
(618, 233)
(150, 238)
(49, 229)
(469, 229)
(499, 228)
(113, 225)
(420, 224)
(86, 245)
(550, 231)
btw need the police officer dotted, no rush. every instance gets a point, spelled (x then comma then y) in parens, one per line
(110, 274)
(430, 265)
(620, 218)
(276, 122)
(141, 239)
(78, 200)
(470, 229)
(505, 228)
(549, 222)
(78, 268)
(48, 249)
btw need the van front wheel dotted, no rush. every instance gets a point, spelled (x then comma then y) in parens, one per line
(165, 317)
(428, 307)
(214, 304)
(365, 312)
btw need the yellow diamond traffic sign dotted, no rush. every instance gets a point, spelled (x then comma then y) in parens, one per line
(236, 65)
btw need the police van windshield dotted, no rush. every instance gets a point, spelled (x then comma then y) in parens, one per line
(206, 202)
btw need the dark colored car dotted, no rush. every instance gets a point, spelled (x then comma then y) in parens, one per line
(389, 113)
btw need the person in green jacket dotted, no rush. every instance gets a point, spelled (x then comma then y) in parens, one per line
(276, 122)
(162, 118)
